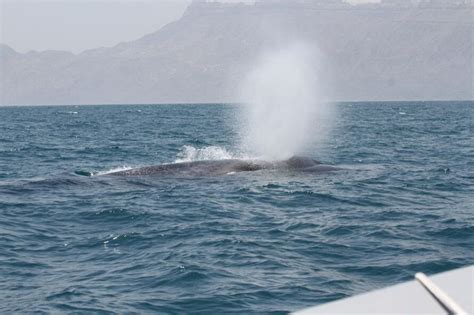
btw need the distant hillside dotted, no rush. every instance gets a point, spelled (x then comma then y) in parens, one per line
(388, 51)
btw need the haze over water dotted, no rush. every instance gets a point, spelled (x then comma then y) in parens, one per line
(257, 242)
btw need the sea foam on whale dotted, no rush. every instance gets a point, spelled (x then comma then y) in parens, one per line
(190, 154)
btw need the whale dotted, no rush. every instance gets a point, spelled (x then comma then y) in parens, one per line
(226, 167)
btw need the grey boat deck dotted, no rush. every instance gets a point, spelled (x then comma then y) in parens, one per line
(406, 298)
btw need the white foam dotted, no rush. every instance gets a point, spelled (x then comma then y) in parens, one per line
(113, 170)
(190, 154)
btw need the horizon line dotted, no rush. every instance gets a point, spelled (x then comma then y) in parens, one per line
(233, 103)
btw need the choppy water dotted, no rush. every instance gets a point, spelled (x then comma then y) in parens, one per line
(259, 242)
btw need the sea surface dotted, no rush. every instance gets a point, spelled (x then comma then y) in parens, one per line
(76, 240)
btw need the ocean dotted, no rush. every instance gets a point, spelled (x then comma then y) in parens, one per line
(75, 240)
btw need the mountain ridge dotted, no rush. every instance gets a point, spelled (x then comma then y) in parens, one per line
(368, 52)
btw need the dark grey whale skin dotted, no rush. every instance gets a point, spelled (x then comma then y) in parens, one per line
(228, 166)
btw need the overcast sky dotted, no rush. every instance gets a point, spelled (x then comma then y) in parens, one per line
(78, 25)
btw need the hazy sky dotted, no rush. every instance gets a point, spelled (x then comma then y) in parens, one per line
(77, 25)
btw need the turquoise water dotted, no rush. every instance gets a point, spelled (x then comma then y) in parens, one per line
(74, 239)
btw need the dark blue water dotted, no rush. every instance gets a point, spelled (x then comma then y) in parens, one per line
(258, 242)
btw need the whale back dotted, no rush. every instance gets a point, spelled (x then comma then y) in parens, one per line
(299, 162)
(223, 167)
(195, 168)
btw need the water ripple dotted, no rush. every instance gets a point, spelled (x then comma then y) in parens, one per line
(73, 241)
